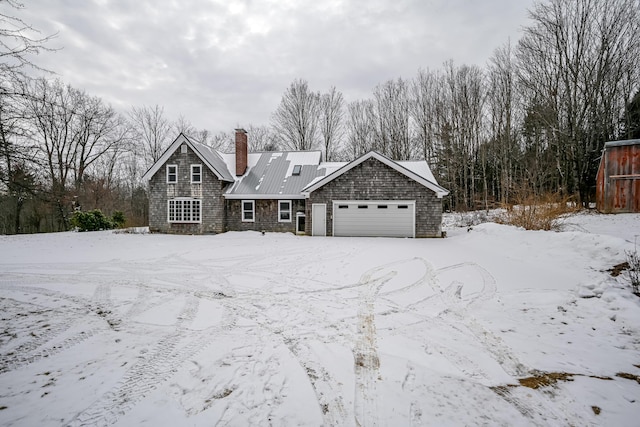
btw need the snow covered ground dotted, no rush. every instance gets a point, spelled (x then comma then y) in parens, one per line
(244, 329)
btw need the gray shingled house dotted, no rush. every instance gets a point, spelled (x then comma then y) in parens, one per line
(194, 189)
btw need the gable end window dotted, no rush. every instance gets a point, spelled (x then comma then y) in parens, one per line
(184, 210)
(196, 174)
(172, 174)
(284, 211)
(248, 211)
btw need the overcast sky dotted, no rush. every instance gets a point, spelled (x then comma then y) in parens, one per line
(223, 64)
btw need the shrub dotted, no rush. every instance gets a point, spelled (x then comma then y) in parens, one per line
(633, 259)
(538, 213)
(118, 219)
(91, 221)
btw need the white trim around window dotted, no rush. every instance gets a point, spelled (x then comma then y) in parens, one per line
(172, 174)
(184, 210)
(284, 210)
(248, 210)
(196, 174)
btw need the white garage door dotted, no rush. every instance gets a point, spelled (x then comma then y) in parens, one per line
(374, 218)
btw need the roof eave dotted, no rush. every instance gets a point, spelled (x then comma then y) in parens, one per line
(182, 138)
(256, 196)
(440, 191)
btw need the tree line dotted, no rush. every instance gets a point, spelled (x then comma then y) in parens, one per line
(533, 121)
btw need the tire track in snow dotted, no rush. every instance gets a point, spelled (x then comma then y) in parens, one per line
(41, 345)
(528, 402)
(296, 336)
(365, 351)
(158, 365)
(536, 409)
(457, 313)
(260, 399)
(326, 388)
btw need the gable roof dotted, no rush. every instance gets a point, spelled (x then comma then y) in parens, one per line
(207, 155)
(270, 175)
(418, 171)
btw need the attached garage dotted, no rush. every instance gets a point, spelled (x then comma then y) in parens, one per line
(375, 196)
(372, 218)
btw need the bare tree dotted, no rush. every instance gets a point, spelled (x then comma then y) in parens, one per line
(360, 128)
(18, 43)
(17, 172)
(424, 93)
(72, 131)
(581, 59)
(261, 138)
(393, 132)
(183, 125)
(331, 121)
(503, 105)
(460, 123)
(101, 133)
(295, 121)
(153, 132)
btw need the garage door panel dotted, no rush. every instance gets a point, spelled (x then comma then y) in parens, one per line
(379, 218)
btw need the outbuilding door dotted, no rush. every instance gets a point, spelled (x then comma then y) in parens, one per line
(374, 218)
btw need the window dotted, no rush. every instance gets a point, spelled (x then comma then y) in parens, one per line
(382, 206)
(296, 170)
(196, 174)
(184, 210)
(248, 210)
(403, 207)
(284, 211)
(343, 206)
(363, 206)
(172, 174)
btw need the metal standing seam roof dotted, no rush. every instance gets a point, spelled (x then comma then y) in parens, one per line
(214, 160)
(272, 175)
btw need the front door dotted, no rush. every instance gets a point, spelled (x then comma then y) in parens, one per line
(319, 219)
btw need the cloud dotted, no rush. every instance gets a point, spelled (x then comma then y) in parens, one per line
(226, 63)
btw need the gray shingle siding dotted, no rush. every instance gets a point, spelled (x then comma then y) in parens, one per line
(373, 180)
(209, 191)
(266, 216)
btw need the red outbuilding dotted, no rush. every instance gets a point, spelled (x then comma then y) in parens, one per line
(618, 179)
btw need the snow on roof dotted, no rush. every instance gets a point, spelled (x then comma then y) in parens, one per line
(416, 170)
(270, 175)
(420, 168)
(230, 160)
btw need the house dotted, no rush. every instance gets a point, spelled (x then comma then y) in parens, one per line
(618, 178)
(194, 189)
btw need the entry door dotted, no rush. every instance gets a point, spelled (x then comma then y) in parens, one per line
(319, 219)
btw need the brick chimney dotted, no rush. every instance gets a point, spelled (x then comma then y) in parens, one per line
(241, 152)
